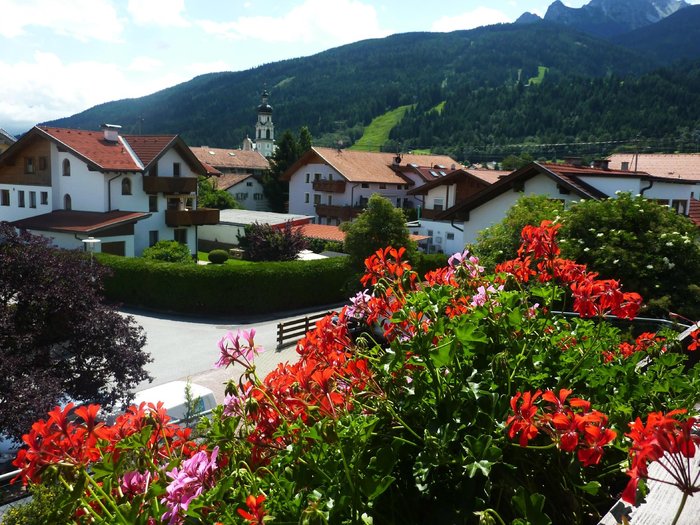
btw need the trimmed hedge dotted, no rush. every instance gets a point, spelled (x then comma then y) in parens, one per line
(224, 289)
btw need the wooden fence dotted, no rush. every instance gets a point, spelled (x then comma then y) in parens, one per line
(289, 332)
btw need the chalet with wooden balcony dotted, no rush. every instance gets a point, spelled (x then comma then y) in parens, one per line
(127, 191)
(334, 185)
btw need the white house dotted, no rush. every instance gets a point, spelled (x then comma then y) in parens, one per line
(563, 182)
(334, 185)
(127, 191)
(444, 192)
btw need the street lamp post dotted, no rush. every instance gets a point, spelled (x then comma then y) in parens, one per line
(90, 244)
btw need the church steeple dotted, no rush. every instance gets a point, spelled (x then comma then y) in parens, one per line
(264, 128)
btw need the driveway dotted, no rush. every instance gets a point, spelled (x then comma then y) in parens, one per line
(187, 347)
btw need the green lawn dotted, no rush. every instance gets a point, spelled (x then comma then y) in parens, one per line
(541, 71)
(377, 133)
(204, 256)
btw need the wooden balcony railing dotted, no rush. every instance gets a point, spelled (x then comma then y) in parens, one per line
(169, 185)
(330, 186)
(198, 217)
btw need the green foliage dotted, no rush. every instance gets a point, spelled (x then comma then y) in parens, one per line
(377, 133)
(288, 149)
(263, 242)
(514, 162)
(379, 225)
(218, 256)
(243, 288)
(650, 248)
(43, 507)
(500, 242)
(168, 251)
(208, 197)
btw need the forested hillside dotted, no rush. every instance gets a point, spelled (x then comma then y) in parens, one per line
(478, 78)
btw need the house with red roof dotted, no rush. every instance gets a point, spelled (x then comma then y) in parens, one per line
(239, 172)
(567, 183)
(127, 191)
(334, 185)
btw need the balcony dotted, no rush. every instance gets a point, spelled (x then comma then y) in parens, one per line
(198, 217)
(169, 185)
(330, 186)
(343, 213)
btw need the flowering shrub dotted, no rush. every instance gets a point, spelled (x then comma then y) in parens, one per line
(458, 397)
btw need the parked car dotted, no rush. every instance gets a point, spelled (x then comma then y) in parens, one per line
(174, 398)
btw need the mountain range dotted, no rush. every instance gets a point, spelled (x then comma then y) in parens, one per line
(463, 92)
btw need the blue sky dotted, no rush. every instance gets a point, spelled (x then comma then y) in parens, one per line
(61, 57)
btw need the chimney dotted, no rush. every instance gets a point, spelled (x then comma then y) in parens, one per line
(574, 161)
(601, 164)
(111, 132)
(397, 160)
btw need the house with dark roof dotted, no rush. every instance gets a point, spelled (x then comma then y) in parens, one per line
(565, 182)
(334, 185)
(127, 191)
(441, 193)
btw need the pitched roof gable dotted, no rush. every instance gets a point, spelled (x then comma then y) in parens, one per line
(454, 177)
(565, 175)
(222, 158)
(365, 166)
(227, 180)
(662, 165)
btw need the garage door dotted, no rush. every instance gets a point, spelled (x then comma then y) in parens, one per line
(114, 248)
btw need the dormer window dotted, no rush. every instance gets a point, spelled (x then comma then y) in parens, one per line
(66, 168)
(126, 186)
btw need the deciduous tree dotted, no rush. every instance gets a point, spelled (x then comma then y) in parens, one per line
(58, 339)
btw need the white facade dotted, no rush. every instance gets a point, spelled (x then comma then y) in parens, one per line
(445, 237)
(303, 198)
(73, 186)
(249, 194)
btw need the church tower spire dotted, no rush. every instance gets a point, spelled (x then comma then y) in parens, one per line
(264, 128)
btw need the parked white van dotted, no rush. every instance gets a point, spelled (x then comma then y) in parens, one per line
(174, 398)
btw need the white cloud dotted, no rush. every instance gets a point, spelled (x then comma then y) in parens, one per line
(330, 22)
(481, 16)
(166, 13)
(144, 64)
(80, 19)
(37, 95)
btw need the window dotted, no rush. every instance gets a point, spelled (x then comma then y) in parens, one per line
(44, 198)
(67, 204)
(365, 185)
(4, 197)
(450, 236)
(438, 204)
(176, 169)
(152, 237)
(32, 199)
(126, 186)
(180, 235)
(680, 206)
(257, 196)
(308, 176)
(153, 203)
(330, 200)
(66, 168)
(306, 198)
(317, 198)
(625, 166)
(43, 163)
(28, 165)
(249, 184)
(174, 203)
(317, 176)
(241, 196)
(330, 176)
(398, 202)
(382, 186)
(20, 197)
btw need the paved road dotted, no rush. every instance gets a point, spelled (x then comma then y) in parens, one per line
(187, 347)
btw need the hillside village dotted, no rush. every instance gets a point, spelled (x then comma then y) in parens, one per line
(131, 191)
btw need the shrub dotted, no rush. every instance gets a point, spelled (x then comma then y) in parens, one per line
(469, 400)
(218, 256)
(224, 288)
(262, 242)
(168, 251)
